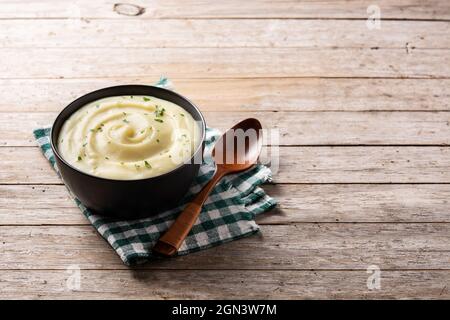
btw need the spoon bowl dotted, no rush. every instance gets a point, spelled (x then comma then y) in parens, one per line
(239, 147)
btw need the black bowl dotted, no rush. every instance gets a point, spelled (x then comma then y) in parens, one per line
(129, 198)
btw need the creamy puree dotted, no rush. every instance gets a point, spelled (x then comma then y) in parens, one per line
(128, 137)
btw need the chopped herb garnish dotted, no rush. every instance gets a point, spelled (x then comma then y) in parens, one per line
(159, 120)
(97, 129)
(62, 140)
(184, 135)
(106, 158)
(126, 121)
(157, 140)
(146, 99)
(147, 165)
(131, 97)
(84, 144)
(124, 113)
(79, 158)
(159, 112)
(182, 114)
(170, 156)
(97, 106)
(142, 131)
(145, 114)
(137, 166)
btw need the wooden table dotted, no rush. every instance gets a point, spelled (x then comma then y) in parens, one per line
(364, 120)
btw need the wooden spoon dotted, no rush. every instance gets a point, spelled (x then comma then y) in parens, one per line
(237, 150)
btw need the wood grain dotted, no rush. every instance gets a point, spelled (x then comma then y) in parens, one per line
(363, 165)
(223, 62)
(234, 284)
(358, 203)
(401, 203)
(404, 9)
(292, 128)
(138, 33)
(298, 246)
(26, 165)
(281, 94)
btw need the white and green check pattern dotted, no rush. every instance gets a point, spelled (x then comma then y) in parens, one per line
(228, 213)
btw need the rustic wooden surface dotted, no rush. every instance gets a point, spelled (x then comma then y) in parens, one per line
(364, 118)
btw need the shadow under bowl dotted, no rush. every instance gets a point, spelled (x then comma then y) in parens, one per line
(129, 199)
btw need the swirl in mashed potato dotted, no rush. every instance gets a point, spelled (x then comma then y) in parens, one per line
(128, 137)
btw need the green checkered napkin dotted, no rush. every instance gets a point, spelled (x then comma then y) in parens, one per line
(228, 213)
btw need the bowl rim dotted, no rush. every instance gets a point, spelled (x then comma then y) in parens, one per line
(170, 92)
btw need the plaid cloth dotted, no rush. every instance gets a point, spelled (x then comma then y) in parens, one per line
(228, 213)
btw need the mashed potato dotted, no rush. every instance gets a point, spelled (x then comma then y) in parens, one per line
(128, 137)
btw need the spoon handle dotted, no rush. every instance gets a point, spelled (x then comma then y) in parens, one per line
(171, 241)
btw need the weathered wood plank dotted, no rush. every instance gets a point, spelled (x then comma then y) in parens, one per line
(38, 204)
(363, 165)
(408, 35)
(357, 203)
(50, 204)
(223, 62)
(282, 94)
(405, 9)
(297, 165)
(242, 284)
(301, 246)
(295, 128)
